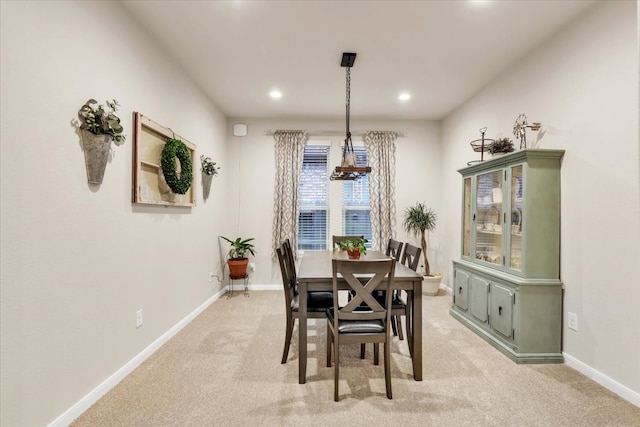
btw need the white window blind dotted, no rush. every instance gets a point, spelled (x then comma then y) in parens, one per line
(313, 220)
(356, 211)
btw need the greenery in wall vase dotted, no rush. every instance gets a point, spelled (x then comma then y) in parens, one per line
(100, 120)
(209, 166)
(209, 170)
(99, 125)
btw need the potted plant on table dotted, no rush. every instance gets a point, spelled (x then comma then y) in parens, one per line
(99, 125)
(420, 219)
(354, 247)
(501, 146)
(238, 261)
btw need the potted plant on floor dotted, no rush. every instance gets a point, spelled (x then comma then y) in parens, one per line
(354, 247)
(238, 261)
(420, 219)
(99, 125)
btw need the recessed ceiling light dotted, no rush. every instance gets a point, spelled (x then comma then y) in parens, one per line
(404, 96)
(275, 94)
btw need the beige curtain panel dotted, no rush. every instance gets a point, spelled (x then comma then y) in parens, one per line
(381, 154)
(289, 153)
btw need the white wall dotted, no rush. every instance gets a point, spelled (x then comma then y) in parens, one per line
(77, 262)
(582, 85)
(417, 179)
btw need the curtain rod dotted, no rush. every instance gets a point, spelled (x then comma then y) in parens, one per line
(336, 133)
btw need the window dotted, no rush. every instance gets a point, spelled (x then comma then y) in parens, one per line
(356, 211)
(314, 199)
(315, 226)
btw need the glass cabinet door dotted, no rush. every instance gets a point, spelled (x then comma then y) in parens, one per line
(489, 214)
(515, 249)
(466, 218)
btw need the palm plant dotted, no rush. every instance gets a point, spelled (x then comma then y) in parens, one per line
(419, 219)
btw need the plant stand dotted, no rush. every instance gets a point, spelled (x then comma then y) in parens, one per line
(246, 286)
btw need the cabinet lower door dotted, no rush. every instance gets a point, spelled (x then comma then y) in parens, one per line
(461, 289)
(502, 310)
(479, 299)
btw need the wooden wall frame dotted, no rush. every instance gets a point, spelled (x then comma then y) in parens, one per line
(148, 184)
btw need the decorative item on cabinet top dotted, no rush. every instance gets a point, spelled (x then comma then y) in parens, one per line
(99, 125)
(520, 129)
(481, 146)
(501, 146)
(159, 152)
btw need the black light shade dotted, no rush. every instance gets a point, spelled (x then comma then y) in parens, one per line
(348, 171)
(348, 59)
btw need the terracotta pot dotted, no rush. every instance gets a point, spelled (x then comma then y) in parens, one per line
(238, 268)
(354, 254)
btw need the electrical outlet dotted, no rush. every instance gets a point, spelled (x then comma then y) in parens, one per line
(252, 267)
(211, 276)
(139, 318)
(573, 321)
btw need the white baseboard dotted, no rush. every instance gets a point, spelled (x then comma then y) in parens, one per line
(597, 376)
(446, 288)
(265, 287)
(85, 403)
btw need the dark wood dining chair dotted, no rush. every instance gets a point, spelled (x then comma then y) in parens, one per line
(363, 319)
(410, 258)
(317, 302)
(394, 250)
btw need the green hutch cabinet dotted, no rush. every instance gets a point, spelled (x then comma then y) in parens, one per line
(507, 285)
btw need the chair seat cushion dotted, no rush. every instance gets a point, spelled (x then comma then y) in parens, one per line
(320, 300)
(357, 326)
(316, 301)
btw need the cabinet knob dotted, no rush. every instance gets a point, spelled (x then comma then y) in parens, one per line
(500, 311)
(460, 290)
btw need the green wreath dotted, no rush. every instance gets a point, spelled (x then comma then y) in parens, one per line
(172, 149)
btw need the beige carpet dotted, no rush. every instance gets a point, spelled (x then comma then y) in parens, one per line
(224, 369)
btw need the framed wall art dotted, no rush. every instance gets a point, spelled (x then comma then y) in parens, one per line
(163, 166)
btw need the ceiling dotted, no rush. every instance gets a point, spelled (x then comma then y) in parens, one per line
(441, 52)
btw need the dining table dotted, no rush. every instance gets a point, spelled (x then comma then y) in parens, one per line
(315, 273)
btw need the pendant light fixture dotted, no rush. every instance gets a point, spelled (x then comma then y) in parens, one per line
(348, 171)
